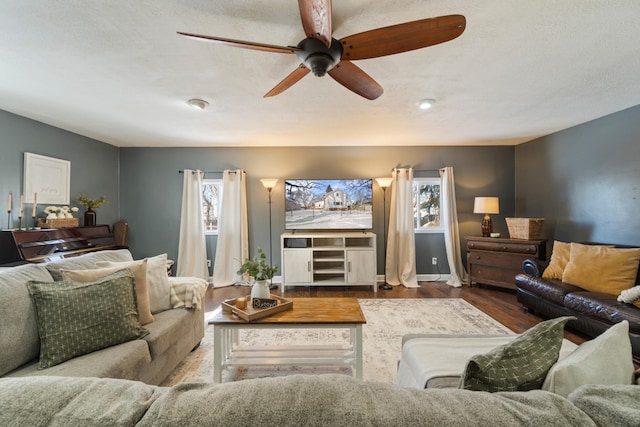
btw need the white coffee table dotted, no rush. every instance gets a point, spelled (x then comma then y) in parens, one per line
(307, 313)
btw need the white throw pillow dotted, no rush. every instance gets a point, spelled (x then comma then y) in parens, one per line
(604, 360)
(157, 281)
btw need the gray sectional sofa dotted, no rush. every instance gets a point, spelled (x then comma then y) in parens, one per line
(299, 400)
(171, 335)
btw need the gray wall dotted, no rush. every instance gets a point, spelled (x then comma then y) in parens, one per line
(151, 188)
(584, 180)
(94, 164)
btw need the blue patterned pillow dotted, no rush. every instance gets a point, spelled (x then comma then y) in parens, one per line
(79, 318)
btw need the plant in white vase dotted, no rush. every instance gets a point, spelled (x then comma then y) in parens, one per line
(261, 272)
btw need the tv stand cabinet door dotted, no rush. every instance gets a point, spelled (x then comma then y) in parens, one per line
(361, 266)
(296, 266)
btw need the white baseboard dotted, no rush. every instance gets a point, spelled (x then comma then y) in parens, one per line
(380, 278)
(423, 277)
(276, 279)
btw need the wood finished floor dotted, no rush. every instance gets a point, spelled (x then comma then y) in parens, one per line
(500, 304)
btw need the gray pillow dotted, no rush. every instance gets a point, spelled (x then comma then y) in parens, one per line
(87, 261)
(520, 365)
(79, 318)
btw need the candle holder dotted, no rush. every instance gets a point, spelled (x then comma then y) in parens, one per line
(9, 219)
(35, 222)
(19, 223)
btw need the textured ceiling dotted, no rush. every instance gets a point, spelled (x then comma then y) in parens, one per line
(116, 71)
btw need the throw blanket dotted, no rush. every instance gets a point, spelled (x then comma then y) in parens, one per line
(610, 405)
(187, 291)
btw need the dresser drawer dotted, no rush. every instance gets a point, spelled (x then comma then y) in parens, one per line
(496, 262)
(499, 259)
(491, 275)
(518, 248)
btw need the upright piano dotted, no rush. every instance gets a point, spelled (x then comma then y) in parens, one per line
(23, 246)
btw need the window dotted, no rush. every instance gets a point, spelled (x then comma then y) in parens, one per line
(426, 205)
(211, 197)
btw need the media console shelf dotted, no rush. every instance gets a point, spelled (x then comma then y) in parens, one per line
(329, 259)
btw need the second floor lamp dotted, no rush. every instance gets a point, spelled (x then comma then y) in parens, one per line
(269, 183)
(384, 183)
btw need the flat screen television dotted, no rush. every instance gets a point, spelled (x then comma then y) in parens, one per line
(328, 204)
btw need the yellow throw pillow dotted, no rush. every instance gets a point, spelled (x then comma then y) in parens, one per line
(602, 268)
(139, 270)
(558, 262)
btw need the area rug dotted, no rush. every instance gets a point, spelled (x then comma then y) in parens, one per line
(387, 321)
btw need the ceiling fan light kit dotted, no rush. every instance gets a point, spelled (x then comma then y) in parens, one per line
(317, 56)
(198, 104)
(427, 103)
(322, 54)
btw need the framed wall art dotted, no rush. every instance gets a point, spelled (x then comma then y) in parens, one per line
(48, 177)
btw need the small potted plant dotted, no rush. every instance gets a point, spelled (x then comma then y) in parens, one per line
(257, 269)
(90, 204)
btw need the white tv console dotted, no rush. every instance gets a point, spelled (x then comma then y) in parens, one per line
(328, 259)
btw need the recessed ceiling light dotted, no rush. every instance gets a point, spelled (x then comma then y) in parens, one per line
(199, 104)
(425, 104)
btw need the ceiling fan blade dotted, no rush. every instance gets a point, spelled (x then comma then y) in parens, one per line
(316, 19)
(289, 81)
(353, 78)
(243, 44)
(402, 37)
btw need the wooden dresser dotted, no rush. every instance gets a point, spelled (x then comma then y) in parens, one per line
(496, 261)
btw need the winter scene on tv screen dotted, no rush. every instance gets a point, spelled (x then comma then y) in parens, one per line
(336, 204)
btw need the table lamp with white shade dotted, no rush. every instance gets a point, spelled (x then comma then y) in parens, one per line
(486, 206)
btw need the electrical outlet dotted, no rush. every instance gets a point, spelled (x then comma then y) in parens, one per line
(209, 263)
(434, 261)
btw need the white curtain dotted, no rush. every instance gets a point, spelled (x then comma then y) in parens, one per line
(401, 247)
(233, 237)
(192, 248)
(451, 230)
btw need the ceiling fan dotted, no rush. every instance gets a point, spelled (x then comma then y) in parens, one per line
(320, 53)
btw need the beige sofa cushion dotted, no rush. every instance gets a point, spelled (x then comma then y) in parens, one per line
(139, 270)
(19, 342)
(126, 360)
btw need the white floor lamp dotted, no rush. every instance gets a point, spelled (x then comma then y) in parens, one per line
(384, 183)
(269, 183)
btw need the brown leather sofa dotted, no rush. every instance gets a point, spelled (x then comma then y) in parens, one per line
(595, 311)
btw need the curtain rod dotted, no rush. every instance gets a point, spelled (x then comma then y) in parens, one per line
(421, 170)
(428, 170)
(231, 171)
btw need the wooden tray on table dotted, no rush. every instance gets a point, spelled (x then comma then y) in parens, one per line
(249, 313)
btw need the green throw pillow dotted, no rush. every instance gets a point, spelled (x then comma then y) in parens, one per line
(79, 318)
(520, 365)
